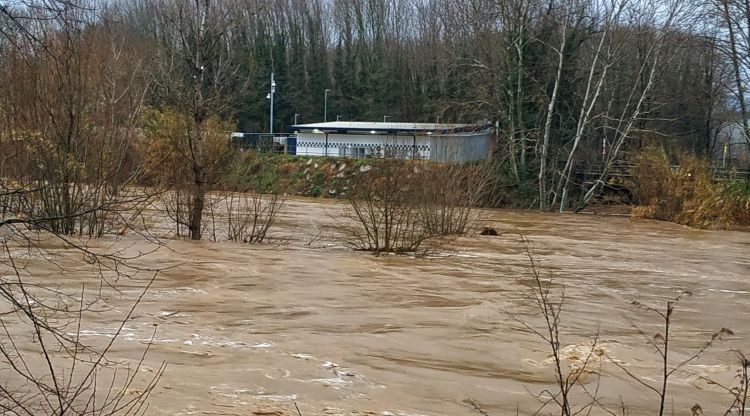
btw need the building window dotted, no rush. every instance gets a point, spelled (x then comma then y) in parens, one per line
(353, 151)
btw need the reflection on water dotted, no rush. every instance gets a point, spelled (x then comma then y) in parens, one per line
(253, 329)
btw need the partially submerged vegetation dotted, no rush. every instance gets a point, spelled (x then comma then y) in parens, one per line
(687, 192)
(109, 111)
(409, 207)
(574, 394)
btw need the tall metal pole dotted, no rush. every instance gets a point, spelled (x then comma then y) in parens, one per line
(273, 89)
(295, 118)
(325, 105)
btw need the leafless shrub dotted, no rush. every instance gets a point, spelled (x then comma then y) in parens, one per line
(451, 193)
(550, 307)
(385, 215)
(250, 199)
(177, 207)
(251, 215)
(412, 207)
(740, 391)
(212, 224)
(47, 368)
(661, 343)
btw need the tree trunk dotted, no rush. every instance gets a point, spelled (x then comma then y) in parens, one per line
(196, 145)
(548, 126)
(196, 211)
(635, 117)
(589, 100)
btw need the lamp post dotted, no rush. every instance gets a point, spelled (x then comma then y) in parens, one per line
(295, 118)
(325, 105)
(338, 117)
(270, 95)
(385, 118)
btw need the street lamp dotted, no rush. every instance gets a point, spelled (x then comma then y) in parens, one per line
(295, 118)
(325, 105)
(338, 117)
(270, 95)
(385, 118)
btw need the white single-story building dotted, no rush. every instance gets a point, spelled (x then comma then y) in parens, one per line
(428, 141)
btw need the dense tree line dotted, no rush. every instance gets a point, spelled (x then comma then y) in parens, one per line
(567, 83)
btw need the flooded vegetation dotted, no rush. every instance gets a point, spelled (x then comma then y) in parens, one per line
(156, 258)
(255, 329)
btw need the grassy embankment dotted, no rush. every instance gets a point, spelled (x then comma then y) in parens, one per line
(688, 195)
(306, 176)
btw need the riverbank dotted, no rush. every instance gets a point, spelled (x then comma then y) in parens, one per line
(684, 197)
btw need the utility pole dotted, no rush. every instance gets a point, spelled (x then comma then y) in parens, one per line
(325, 105)
(270, 95)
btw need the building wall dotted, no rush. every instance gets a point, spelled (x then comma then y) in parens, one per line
(459, 147)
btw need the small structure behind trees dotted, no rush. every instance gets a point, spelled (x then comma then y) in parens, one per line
(414, 141)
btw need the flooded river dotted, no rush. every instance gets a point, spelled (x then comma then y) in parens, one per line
(255, 329)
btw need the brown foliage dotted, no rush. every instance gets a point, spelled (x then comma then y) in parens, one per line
(170, 160)
(68, 110)
(687, 193)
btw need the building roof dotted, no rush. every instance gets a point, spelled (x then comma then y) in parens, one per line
(387, 127)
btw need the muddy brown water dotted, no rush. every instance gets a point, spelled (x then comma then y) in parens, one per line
(254, 329)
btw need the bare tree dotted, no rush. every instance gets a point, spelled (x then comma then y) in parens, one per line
(73, 86)
(197, 72)
(72, 90)
(606, 54)
(659, 22)
(735, 16)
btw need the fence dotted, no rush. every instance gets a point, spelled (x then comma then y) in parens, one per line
(266, 143)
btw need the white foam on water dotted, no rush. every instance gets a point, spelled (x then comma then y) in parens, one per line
(734, 292)
(305, 357)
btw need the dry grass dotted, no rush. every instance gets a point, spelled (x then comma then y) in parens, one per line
(687, 193)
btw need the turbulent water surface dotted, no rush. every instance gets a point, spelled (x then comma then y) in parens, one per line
(255, 329)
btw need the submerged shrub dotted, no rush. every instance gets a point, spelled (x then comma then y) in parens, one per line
(407, 207)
